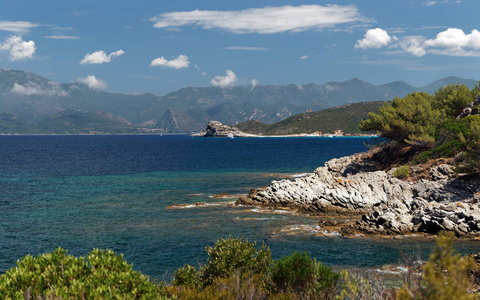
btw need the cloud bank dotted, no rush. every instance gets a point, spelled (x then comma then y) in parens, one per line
(267, 20)
(93, 83)
(31, 88)
(451, 42)
(178, 63)
(223, 81)
(18, 48)
(100, 57)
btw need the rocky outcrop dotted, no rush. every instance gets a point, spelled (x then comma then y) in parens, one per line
(382, 203)
(471, 109)
(217, 129)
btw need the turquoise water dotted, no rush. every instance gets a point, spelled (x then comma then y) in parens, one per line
(85, 192)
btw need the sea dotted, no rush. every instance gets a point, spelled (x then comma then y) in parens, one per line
(115, 192)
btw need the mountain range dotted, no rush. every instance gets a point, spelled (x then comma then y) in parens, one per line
(28, 96)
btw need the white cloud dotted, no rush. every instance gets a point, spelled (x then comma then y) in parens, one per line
(374, 38)
(93, 83)
(246, 48)
(18, 48)
(413, 45)
(265, 20)
(17, 26)
(100, 57)
(62, 37)
(433, 2)
(223, 81)
(204, 73)
(451, 42)
(31, 88)
(178, 63)
(304, 57)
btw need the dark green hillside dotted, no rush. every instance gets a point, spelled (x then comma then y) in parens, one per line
(74, 122)
(12, 124)
(346, 118)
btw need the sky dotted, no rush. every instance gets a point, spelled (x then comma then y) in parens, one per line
(161, 46)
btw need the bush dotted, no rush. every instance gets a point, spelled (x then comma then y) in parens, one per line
(187, 276)
(401, 172)
(57, 275)
(445, 275)
(234, 254)
(299, 274)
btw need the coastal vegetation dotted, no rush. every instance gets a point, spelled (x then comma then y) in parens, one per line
(443, 125)
(235, 269)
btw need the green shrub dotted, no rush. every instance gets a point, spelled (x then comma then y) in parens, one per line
(234, 254)
(187, 276)
(300, 275)
(57, 275)
(401, 172)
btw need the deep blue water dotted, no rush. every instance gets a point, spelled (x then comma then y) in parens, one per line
(85, 192)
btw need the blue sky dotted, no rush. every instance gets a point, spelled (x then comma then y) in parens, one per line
(161, 46)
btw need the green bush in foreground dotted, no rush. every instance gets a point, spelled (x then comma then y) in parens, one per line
(106, 275)
(235, 254)
(445, 275)
(300, 275)
(57, 275)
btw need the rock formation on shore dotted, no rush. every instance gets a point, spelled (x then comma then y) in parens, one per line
(375, 202)
(217, 129)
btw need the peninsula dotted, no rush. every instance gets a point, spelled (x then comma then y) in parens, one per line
(423, 181)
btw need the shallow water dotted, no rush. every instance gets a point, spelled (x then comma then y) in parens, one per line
(85, 192)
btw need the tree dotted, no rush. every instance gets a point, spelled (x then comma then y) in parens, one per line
(412, 119)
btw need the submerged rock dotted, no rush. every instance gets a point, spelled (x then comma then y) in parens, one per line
(382, 203)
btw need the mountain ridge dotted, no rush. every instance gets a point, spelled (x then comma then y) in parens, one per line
(34, 98)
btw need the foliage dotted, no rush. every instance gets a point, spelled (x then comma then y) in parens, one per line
(187, 276)
(58, 275)
(354, 286)
(401, 172)
(412, 119)
(299, 274)
(430, 122)
(234, 254)
(106, 275)
(453, 98)
(236, 286)
(423, 157)
(445, 275)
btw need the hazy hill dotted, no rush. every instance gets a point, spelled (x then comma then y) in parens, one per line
(74, 122)
(35, 98)
(346, 118)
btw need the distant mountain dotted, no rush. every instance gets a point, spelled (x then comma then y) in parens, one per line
(74, 122)
(345, 118)
(35, 98)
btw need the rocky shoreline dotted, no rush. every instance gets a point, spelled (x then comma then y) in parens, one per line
(357, 195)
